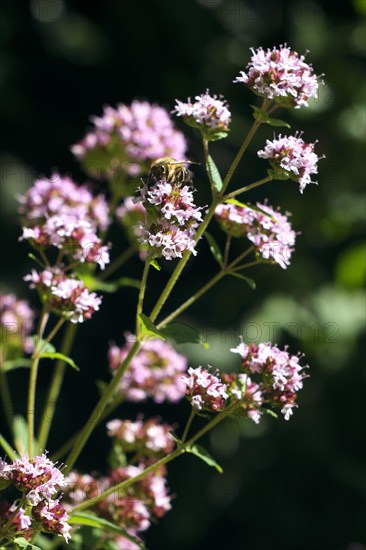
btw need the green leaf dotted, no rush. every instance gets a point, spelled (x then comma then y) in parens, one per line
(57, 355)
(46, 347)
(215, 136)
(263, 117)
(270, 413)
(182, 333)
(248, 280)
(155, 264)
(13, 364)
(251, 207)
(20, 433)
(24, 544)
(214, 174)
(148, 329)
(204, 455)
(4, 483)
(215, 249)
(111, 286)
(84, 518)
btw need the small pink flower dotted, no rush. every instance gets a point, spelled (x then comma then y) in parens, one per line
(268, 229)
(138, 133)
(209, 113)
(205, 390)
(148, 437)
(281, 75)
(291, 157)
(154, 372)
(280, 374)
(68, 296)
(37, 477)
(53, 518)
(61, 196)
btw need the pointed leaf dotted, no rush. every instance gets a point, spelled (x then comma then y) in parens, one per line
(248, 280)
(20, 433)
(111, 286)
(22, 362)
(155, 264)
(263, 117)
(148, 329)
(24, 544)
(214, 174)
(57, 355)
(84, 518)
(215, 249)
(183, 333)
(204, 455)
(46, 347)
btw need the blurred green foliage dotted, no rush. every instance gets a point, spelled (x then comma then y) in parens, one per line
(286, 486)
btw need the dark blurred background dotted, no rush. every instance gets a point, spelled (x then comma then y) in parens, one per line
(297, 485)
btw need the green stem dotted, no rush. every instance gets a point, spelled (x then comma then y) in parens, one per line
(100, 408)
(165, 460)
(192, 299)
(55, 386)
(245, 266)
(33, 382)
(181, 264)
(61, 452)
(188, 425)
(243, 148)
(247, 188)
(204, 289)
(227, 250)
(118, 262)
(140, 301)
(208, 171)
(7, 447)
(52, 334)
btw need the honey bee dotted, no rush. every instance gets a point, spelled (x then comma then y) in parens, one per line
(174, 171)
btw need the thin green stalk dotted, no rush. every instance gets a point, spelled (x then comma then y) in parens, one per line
(245, 266)
(55, 386)
(188, 425)
(247, 188)
(165, 460)
(61, 452)
(33, 382)
(227, 249)
(7, 447)
(242, 149)
(140, 301)
(100, 408)
(118, 262)
(224, 271)
(181, 264)
(192, 299)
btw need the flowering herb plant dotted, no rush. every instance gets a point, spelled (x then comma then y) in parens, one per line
(49, 503)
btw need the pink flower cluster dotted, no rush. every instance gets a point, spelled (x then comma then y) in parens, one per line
(68, 296)
(16, 323)
(20, 520)
(61, 196)
(150, 437)
(208, 113)
(134, 509)
(279, 373)
(132, 214)
(173, 219)
(291, 157)
(282, 75)
(271, 380)
(154, 372)
(132, 135)
(205, 390)
(39, 479)
(75, 237)
(268, 229)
